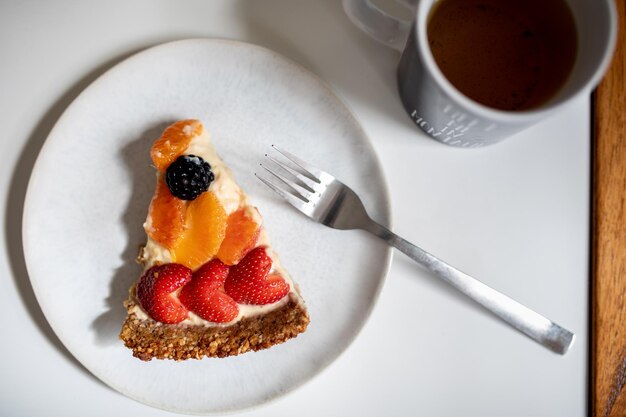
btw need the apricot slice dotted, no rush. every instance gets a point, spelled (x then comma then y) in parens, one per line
(173, 142)
(205, 228)
(242, 232)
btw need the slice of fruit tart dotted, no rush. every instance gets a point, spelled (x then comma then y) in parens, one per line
(212, 284)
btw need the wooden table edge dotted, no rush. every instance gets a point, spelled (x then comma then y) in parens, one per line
(608, 237)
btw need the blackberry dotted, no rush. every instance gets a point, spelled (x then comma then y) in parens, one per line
(188, 177)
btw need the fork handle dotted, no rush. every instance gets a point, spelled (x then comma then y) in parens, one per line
(527, 321)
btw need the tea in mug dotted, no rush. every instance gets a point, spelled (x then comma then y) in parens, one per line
(510, 55)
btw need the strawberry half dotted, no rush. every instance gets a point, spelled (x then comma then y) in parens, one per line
(205, 297)
(154, 291)
(248, 281)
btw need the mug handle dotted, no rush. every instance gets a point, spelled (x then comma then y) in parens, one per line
(380, 25)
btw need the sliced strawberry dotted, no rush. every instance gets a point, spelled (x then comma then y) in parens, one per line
(248, 281)
(276, 289)
(154, 292)
(205, 297)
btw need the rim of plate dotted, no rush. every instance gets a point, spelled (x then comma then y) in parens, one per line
(26, 215)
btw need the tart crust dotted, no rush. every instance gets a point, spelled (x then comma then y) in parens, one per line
(150, 339)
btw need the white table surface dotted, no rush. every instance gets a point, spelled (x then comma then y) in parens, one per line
(515, 215)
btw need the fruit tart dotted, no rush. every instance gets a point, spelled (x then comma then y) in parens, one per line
(212, 285)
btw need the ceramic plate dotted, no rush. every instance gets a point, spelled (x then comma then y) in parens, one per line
(92, 183)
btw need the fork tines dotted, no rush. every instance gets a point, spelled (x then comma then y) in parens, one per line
(291, 178)
(299, 165)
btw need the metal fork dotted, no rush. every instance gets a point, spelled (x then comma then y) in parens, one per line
(326, 200)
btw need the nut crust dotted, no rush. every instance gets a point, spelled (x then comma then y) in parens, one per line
(150, 339)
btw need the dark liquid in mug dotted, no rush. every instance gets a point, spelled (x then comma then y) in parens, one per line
(506, 54)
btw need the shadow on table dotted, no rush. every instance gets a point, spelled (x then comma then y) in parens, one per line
(15, 207)
(298, 29)
(137, 161)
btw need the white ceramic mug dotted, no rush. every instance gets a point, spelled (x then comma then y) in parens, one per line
(447, 115)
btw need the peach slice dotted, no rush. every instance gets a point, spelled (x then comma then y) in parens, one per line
(167, 216)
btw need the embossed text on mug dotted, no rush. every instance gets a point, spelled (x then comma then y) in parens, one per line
(459, 124)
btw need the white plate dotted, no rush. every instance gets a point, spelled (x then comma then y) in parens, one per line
(90, 189)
